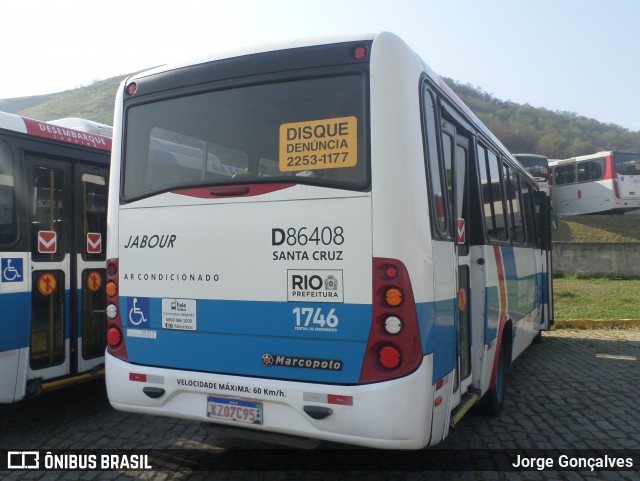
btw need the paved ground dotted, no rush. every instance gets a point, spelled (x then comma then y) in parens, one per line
(576, 394)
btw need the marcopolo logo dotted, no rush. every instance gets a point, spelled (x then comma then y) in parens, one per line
(303, 362)
(314, 285)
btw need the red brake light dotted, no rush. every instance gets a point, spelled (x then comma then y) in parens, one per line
(389, 357)
(114, 337)
(394, 348)
(391, 272)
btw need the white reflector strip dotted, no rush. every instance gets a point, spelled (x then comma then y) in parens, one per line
(316, 397)
(143, 333)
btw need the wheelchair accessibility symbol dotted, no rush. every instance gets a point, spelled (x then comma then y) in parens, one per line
(139, 312)
(12, 270)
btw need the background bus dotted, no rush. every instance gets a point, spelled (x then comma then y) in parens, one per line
(596, 183)
(291, 252)
(53, 187)
(538, 166)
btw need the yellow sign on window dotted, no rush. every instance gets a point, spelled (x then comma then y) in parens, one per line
(319, 144)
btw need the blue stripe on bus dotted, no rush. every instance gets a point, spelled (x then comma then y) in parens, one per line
(232, 336)
(14, 321)
(520, 294)
(264, 318)
(437, 333)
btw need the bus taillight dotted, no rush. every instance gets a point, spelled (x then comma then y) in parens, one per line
(616, 188)
(115, 337)
(394, 348)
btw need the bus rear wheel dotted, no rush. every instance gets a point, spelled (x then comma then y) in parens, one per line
(493, 400)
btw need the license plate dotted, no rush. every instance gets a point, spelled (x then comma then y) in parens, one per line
(237, 410)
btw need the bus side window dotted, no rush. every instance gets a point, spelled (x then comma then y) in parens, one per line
(564, 174)
(440, 226)
(8, 215)
(494, 209)
(528, 210)
(447, 157)
(513, 202)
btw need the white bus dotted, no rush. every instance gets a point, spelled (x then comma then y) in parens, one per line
(319, 241)
(53, 225)
(596, 183)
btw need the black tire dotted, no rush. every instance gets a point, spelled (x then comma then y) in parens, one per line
(538, 338)
(493, 400)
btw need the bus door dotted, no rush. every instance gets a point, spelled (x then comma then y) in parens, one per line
(456, 153)
(543, 216)
(67, 227)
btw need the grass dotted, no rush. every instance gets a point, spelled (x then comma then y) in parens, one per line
(611, 299)
(598, 228)
(596, 298)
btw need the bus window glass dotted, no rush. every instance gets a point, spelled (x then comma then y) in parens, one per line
(536, 165)
(94, 214)
(513, 196)
(486, 190)
(8, 215)
(528, 212)
(627, 163)
(497, 209)
(564, 174)
(447, 151)
(590, 170)
(303, 131)
(48, 210)
(438, 202)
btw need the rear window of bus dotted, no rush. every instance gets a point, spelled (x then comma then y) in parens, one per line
(300, 131)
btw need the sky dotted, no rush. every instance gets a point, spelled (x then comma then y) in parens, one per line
(580, 56)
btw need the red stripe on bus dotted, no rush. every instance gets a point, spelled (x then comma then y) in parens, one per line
(240, 190)
(502, 289)
(64, 134)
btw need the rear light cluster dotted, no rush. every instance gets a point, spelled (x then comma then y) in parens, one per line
(394, 347)
(115, 336)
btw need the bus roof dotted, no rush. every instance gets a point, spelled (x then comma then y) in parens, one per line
(84, 125)
(49, 130)
(597, 155)
(533, 156)
(251, 50)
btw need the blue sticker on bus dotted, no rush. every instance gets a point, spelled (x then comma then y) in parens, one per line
(138, 313)
(12, 270)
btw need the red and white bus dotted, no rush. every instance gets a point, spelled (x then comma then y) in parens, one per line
(53, 204)
(596, 183)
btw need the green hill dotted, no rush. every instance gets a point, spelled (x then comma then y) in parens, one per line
(94, 102)
(557, 135)
(521, 128)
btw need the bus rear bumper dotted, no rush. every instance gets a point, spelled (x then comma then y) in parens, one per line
(394, 414)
